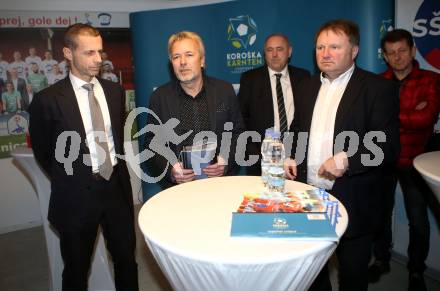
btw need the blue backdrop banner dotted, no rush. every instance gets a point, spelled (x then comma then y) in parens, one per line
(234, 33)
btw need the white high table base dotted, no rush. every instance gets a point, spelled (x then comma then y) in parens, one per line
(187, 228)
(100, 276)
(428, 165)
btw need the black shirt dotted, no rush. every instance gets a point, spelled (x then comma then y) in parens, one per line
(194, 115)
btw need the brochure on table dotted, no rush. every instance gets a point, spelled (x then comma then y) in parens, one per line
(304, 215)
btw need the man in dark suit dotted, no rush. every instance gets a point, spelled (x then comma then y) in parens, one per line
(195, 102)
(90, 185)
(351, 117)
(19, 86)
(258, 93)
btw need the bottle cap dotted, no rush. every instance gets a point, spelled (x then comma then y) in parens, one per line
(276, 134)
(269, 132)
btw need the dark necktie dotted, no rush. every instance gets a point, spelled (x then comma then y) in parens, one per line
(105, 165)
(281, 108)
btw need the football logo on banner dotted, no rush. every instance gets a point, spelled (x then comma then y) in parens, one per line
(242, 34)
(242, 31)
(426, 32)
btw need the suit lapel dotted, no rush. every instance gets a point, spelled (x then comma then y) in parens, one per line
(69, 108)
(351, 93)
(293, 81)
(310, 103)
(266, 95)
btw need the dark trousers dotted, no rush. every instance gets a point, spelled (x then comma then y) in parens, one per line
(382, 242)
(415, 194)
(353, 256)
(107, 208)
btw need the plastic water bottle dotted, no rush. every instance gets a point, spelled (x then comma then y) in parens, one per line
(266, 154)
(276, 178)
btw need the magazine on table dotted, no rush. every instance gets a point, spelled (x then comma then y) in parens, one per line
(304, 215)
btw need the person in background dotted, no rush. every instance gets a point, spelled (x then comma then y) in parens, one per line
(32, 58)
(48, 63)
(18, 64)
(419, 110)
(105, 59)
(3, 68)
(106, 72)
(200, 103)
(258, 93)
(38, 80)
(19, 83)
(97, 192)
(11, 99)
(64, 67)
(56, 75)
(346, 100)
(30, 93)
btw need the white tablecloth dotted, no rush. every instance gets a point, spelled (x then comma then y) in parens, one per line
(187, 228)
(428, 165)
(100, 278)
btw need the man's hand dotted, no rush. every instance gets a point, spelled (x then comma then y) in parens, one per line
(334, 167)
(290, 168)
(217, 169)
(181, 175)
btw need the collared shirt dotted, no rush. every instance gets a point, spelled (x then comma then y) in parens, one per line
(83, 103)
(287, 94)
(194, 114)
(322, 128)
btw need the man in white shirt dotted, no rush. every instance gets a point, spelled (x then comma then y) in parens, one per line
(351, 117)
(95, 191)
(19, 65)
(56, 75)
(32, 58)
(47, 63)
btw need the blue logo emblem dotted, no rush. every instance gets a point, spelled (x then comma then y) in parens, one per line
(242, 31)
(426, 32)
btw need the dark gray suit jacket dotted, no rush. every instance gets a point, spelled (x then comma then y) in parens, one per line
(53, 111)
(369, 103)
(222, 107)
(256, 103)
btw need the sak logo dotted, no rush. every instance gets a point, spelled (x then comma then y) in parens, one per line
(242, 34)
(242, 31)
(426, 32)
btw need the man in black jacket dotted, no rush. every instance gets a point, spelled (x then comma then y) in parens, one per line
(351, 117)
(258, 98)
(197, 103)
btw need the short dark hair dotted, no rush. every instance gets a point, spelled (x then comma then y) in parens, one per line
(395, 36)
(282, 35)
(78, 29)
(345, 26)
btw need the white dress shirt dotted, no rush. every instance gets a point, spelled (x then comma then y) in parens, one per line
(323, 125)
(287, 94)
(83, 103)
